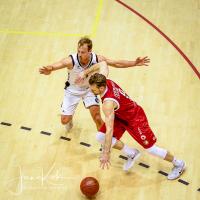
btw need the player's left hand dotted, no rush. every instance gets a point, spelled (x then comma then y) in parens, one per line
(105, 160)
(142, 61)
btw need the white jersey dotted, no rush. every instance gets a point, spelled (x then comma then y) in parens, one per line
(79, 89)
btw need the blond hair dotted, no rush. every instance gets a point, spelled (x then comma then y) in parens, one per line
(85, 40)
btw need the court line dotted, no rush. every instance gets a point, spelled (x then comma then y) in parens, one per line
(184, 182)
(25, 128)
(163, 173)
(164, 35)
(97, 18)
(61, 34)
(85, 144)
(65, 138)
(57, 34)
(120, 156)
(45, 133)
(6, 124)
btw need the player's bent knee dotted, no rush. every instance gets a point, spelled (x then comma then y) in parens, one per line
(157, 151)
(100, 137)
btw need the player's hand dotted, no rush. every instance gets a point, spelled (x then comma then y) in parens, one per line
(80, 78)
(105, 160)
(45, 70)
(142, 61)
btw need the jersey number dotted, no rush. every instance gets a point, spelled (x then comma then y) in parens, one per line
(124, 94)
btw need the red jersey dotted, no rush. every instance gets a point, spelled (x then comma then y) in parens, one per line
(125, 105)
(128, 117)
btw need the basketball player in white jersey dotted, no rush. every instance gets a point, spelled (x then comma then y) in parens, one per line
(74, 90)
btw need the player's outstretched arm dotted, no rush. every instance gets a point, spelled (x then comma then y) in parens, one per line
(125, 63)
(108, 110)
(64, 63)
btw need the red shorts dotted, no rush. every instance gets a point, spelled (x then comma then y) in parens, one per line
(137, 127)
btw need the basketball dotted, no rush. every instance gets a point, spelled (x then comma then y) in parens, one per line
(89, 186)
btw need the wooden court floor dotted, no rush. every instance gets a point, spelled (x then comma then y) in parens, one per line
(39, 160)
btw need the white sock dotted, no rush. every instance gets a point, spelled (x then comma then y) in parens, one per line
(128, 151)
(177, 162)
(157, 151)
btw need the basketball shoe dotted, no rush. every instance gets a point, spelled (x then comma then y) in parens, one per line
(131, 160)
(177, 171)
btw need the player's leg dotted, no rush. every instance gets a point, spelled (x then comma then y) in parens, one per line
(68, 108)
(91, 102)
(131, 153)
(143, 134)
(178, 165)
(66, 120)
(96, 115)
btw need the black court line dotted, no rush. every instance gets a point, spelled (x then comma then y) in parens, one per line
(65, 138)
(45, 133)
(144, 165)
(6, 124)
(85, 144)
(194, 68)
(163, 173)
(25, 128)
(141, 164)
(88, 145)
(123, 157)
(182, 181)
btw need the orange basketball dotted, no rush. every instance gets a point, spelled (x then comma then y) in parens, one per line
(89, 186)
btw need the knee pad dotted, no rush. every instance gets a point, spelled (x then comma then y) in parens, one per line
(101, 137)
(157, 151)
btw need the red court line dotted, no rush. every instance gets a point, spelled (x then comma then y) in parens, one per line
(165, 36)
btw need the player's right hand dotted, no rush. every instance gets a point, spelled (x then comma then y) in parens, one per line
(104, 160)
(45, 70)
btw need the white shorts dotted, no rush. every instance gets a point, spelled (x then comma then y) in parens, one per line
(71, 101)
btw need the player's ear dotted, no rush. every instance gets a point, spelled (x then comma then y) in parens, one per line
(101, 88)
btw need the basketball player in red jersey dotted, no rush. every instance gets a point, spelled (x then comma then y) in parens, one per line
(123, 114)
(76, 63)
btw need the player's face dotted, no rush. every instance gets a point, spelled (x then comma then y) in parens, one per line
(95, 89)
(83, 52)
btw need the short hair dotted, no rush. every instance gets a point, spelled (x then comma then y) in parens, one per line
(98, 79)
(85, 40)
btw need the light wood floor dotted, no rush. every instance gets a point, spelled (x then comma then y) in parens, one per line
(36, 166)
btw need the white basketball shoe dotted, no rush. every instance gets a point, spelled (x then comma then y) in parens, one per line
(131, 160)
(177, 171)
